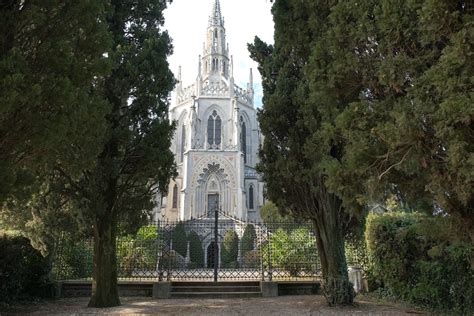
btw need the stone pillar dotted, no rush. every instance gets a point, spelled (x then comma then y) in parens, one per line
(269, 289)
(162, 290)
(188, 257)
(239, 252)
(355, 277)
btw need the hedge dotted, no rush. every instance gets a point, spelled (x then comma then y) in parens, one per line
(415, 259)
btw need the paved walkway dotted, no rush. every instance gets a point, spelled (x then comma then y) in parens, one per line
(284, 305)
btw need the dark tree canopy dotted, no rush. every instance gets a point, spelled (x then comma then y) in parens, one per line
(410, 132)
(51, 57)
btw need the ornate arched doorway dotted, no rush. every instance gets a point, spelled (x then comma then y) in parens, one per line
(214, 187)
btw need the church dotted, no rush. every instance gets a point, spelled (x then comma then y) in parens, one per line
(216, 140)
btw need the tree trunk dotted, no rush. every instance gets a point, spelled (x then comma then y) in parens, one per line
(330, 242)
(104, 281)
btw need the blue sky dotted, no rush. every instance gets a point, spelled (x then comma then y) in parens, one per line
(186, 22)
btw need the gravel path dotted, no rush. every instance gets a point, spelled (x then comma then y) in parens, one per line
(284, 305)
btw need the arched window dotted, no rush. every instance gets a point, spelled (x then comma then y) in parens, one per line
(214, 130)
(243, 139)
(251, 197)
(175, 196)
(215, 34)
(183, 142)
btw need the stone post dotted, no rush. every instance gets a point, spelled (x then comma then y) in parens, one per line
(187, 260)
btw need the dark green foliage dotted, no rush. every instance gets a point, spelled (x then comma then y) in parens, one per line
(196, 251)
(415, 258)
(230, 249)
(248, 240)
(73, 259)
(409, 128)
(24, 272)
(179, 239)
(51, 56)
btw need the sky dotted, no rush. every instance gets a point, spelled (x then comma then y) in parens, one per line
(186, 22)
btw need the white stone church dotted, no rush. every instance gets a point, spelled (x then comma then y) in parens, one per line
(216, 140)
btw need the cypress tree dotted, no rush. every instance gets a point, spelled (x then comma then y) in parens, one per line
(248, 240)
(292, 120)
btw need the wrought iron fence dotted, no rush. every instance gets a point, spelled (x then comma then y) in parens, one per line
(191, 251)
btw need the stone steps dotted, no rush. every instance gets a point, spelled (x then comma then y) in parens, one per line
(240, 289)
(215, 295)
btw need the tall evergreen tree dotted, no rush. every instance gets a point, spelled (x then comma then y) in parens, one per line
(135, 160)
(51, 57)
(129, 159)
(292, 120)
(364, 99)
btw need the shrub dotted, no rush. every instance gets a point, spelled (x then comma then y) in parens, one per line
(138, 252)
(23, 270)
(248, 240)
(230, 249)
(180, 241)
(415, 259)
(196, 251)
(293, 251)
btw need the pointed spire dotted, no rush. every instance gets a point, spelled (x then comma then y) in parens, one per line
(216, 16)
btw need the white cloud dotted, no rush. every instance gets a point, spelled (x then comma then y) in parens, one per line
(186, 22)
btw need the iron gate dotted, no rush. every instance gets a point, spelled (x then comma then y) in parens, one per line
(202, 249)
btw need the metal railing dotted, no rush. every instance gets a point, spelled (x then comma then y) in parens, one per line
(188, 251)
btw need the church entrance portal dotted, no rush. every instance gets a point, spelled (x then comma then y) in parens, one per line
(210, 255)
(212, 203)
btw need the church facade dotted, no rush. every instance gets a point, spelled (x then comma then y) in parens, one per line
(216, 140)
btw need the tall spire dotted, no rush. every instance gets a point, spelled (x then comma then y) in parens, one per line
(216, 18)
(215, 58)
